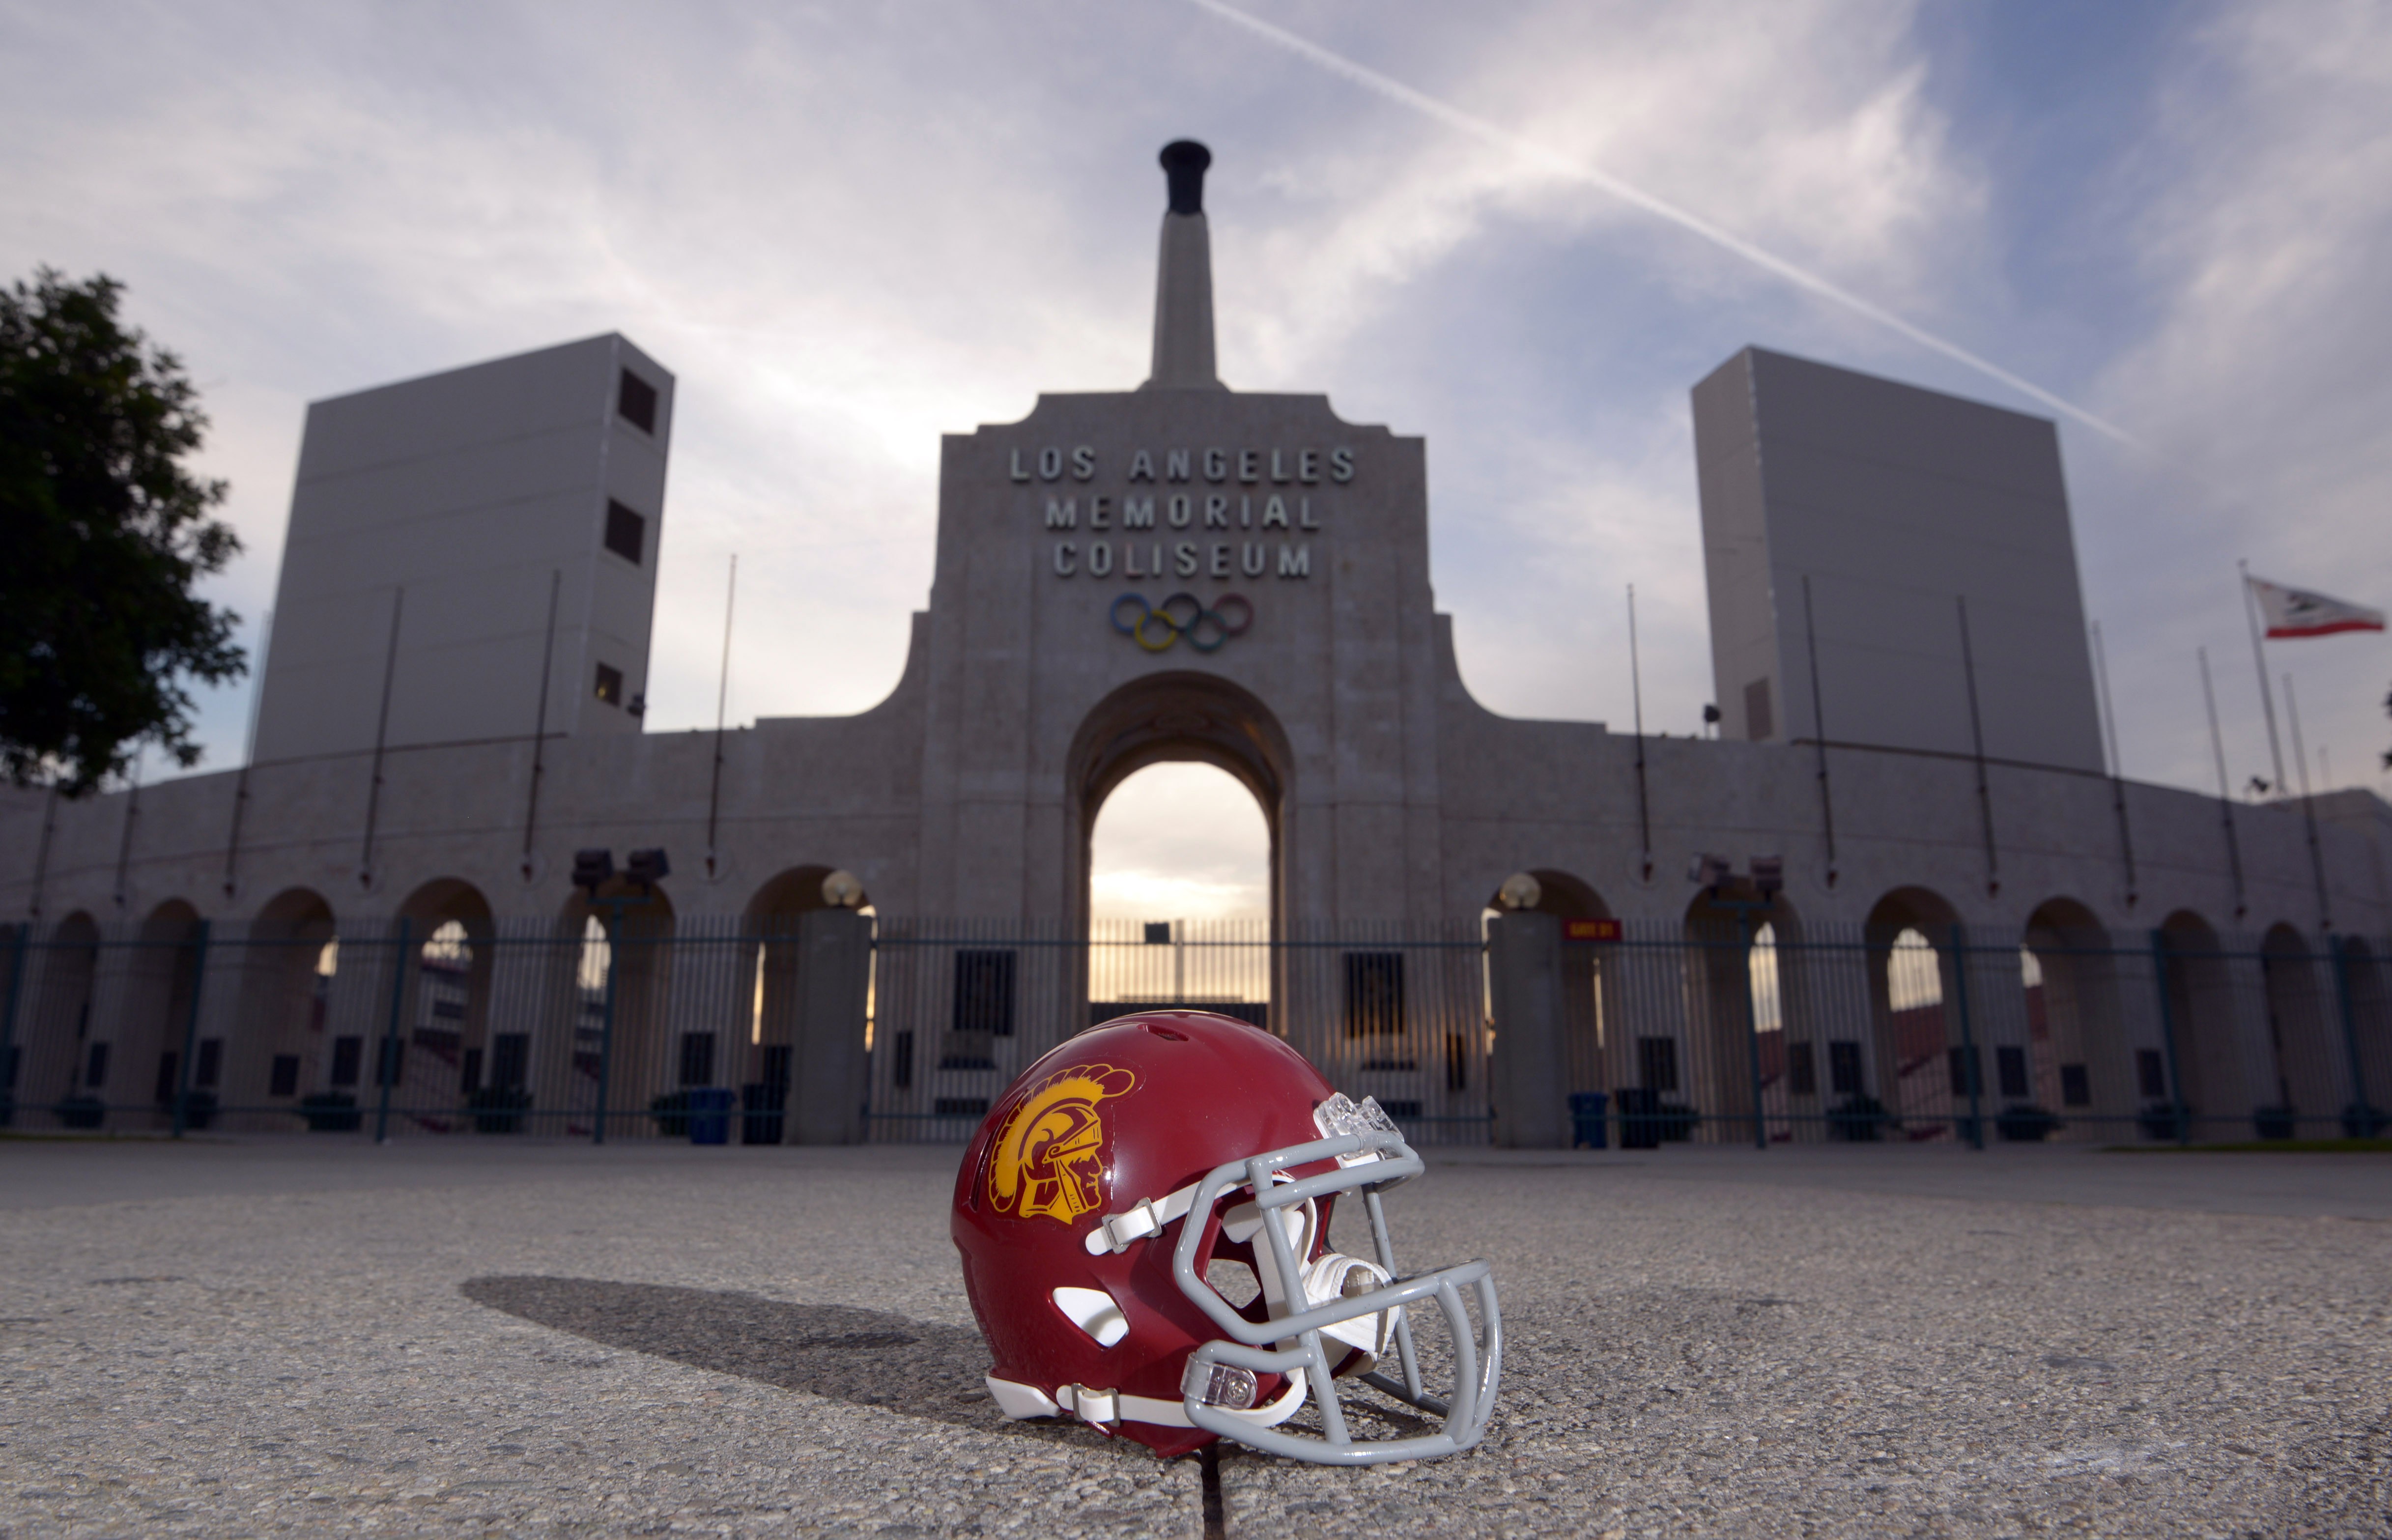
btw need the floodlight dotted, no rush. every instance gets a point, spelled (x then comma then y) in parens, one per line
(647, 868)
(1708, 870)
(593, 868)
(1520, 890)
(1769, 874)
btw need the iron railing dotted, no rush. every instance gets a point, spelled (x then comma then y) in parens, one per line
(631, 1025)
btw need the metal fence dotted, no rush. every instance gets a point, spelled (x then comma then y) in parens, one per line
(960, 1009)
(646, 1027)
(1719, 1033)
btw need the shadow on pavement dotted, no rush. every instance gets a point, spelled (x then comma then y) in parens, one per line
(864, 1357)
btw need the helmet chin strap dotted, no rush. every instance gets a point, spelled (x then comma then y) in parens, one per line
(1103, 1408)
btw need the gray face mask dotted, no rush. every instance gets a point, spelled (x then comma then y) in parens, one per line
(1332, 1311)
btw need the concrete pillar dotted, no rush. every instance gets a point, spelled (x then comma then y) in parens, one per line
(834, 968)
(1530, 1069)
(1183, 280)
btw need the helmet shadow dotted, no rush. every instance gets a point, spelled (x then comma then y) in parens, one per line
(842, 1352)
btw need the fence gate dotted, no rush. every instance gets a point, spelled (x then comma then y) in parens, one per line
(960, 1007)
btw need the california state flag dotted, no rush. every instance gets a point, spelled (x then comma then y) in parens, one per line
(2298, 612)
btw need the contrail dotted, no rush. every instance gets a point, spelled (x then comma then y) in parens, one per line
(1528, 149)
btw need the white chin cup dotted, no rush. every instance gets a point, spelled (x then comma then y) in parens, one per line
(1337, 1276)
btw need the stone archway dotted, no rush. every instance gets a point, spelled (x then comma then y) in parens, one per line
(1735, 1068)
(1184, 716)
(448, 1055)
(1920, 1068)
(2370, 1029)
(2083, 1065)
(2210, 1093)
(623, 1056)
(54, 1064)
(161, 983)
(2304, 1078)
(277, 1048)
(760, 1050)
(1179, 716)
(1591, 985)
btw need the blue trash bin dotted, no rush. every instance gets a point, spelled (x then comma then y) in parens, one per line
(709, 1115)
(1588, 1110)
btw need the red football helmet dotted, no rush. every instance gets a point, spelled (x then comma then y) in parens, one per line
(1109, 1176)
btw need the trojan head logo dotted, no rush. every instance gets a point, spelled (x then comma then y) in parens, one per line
(1050, 1157)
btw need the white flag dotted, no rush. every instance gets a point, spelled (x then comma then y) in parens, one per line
(2298, 612)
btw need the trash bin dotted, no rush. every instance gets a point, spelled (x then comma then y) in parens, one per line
(1640, 1119)
(1587, 1117)
(709, 1115)
(765, 1105)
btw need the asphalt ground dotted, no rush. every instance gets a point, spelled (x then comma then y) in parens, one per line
(250, 1336)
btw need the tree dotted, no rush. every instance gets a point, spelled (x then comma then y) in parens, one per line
(106, 532)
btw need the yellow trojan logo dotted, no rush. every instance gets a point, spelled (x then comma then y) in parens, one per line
(1050, 1157)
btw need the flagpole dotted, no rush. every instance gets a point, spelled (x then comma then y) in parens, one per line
(2309, 810)
(2267, 696)
(721, 701)
(2225, 797)
(1636, 687)
(2117, 766)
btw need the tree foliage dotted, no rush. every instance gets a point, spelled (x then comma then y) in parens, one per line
(106, 530)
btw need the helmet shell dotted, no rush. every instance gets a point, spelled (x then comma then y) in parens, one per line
(1135, 1108)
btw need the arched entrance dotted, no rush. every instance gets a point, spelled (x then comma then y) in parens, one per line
(1179, 715)
(2210, 1094)
(2371, 1032)
(280, 1031)
(2300, 1044)
(54, 1066)
(1926, 1072)
(1179, 904)
(162, 981)
(618, 979)
(447, 1055)
(759, 1054)
(1591, 982)
(1736, 1041)
(1161, 718)
(2082, 1068)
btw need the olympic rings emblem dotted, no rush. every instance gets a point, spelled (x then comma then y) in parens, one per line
(1156, 627)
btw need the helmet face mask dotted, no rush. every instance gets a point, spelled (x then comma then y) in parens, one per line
(1110, 1178)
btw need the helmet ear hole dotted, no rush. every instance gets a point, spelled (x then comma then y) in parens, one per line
(1233, 1280)
(1094, 1311)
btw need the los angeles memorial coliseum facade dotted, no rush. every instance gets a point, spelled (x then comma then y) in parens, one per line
(1182, 571)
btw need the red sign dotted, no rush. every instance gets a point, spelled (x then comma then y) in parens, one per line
(1590, 929)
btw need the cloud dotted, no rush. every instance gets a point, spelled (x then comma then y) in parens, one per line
(851, 229)
(1180, 841)
(2261, 382)
(1802, 128)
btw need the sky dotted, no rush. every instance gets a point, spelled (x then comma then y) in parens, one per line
(1523, 230)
